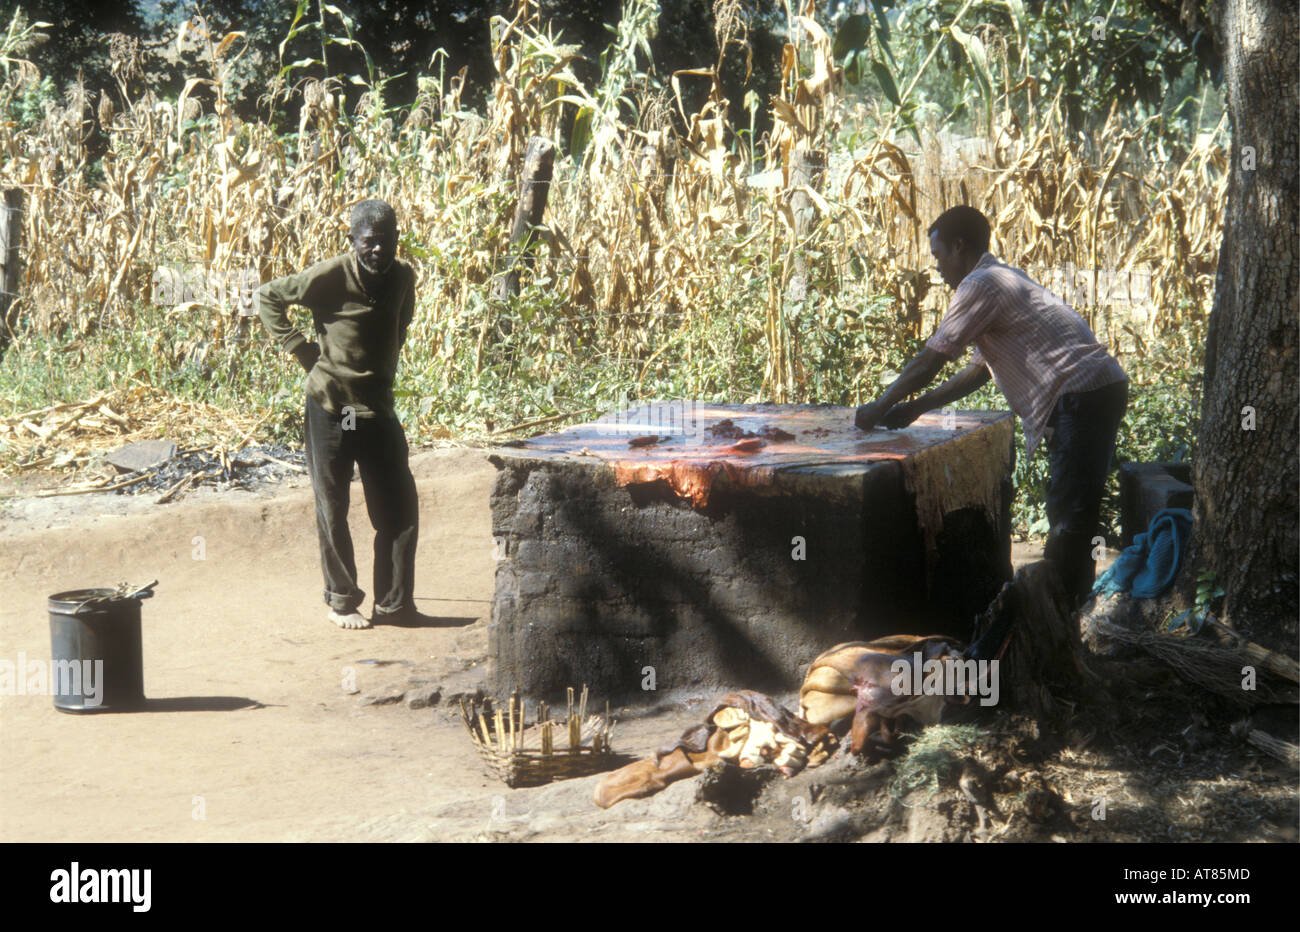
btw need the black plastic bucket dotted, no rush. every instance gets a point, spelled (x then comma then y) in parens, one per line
(95, 642)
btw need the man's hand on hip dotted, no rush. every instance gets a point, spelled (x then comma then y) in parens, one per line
(307, 354)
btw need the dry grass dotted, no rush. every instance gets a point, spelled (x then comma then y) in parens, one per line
(72, 435)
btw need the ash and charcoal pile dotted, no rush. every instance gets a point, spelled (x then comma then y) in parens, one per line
(157, 466)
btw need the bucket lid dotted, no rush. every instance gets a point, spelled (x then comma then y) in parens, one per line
(75, 601)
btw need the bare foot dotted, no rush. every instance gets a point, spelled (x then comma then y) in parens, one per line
(353, 619)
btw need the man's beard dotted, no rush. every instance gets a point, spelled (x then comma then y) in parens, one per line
(366, 264)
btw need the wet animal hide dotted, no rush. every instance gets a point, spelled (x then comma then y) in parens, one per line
(647, 777)
(745, 728)
(848, 688)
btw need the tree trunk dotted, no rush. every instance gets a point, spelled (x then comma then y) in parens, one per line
(1246, 472)
(1042, 673)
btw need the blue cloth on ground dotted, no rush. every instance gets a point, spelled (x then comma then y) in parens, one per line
(1148, 566)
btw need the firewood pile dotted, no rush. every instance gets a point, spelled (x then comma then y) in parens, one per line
(81, 438)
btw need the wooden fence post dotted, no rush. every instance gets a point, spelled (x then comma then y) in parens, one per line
(11, 236)
(654, 168)
(534, 187)
(808, 170)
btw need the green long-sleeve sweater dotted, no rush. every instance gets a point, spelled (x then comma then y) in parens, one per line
(360, 332)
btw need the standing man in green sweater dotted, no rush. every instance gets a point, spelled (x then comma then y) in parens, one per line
(361, 305)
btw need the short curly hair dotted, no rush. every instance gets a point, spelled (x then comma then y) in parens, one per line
(963, 223)
(375, 213)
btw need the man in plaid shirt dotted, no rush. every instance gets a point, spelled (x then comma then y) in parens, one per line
(1043, 356)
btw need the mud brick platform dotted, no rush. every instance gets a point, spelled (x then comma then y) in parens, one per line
(665, 537)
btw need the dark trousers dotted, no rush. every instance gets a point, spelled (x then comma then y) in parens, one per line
(378, 447)
(1079, 447)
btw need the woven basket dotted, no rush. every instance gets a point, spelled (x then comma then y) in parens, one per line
(523, 754)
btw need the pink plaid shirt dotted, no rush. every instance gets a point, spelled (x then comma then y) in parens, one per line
(1034, 345)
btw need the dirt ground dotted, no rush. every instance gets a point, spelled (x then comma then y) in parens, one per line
(267, 723)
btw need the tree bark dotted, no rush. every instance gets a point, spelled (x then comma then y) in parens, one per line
(1246, 472)
(1042, 673)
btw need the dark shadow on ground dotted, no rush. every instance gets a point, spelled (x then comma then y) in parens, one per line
(200, 704)
(420, 620)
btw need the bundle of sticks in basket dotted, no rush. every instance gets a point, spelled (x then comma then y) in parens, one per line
(524, 754)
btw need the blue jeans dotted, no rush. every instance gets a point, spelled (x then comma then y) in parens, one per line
(1079, 449)
(377, 445)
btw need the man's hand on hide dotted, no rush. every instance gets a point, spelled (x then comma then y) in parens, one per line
(901, 414)
(869, 415)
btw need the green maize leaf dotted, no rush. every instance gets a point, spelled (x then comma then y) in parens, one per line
(881, 71)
